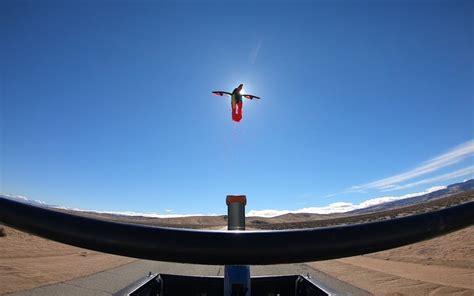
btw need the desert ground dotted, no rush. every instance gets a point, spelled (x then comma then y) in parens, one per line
(440, 266)
(28, 261)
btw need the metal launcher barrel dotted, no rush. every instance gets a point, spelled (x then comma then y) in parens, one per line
(236, 212)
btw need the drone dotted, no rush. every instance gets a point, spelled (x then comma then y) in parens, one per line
(222, 93)
(236, 101)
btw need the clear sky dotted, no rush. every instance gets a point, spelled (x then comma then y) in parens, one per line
(107, 105)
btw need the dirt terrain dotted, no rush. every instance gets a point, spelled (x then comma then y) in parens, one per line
(440, 266)
(28, 261)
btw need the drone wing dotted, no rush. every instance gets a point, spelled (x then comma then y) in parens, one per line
(221, 93)
(251, 97)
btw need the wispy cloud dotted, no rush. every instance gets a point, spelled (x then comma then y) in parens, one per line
(451, 157)
(254, 52)
(340, 207)
(468, 171)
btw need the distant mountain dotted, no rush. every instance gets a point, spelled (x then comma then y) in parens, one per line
(450, 190)
(23, 199)
(221, 220)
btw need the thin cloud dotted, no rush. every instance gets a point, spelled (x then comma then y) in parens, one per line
(254, 52)
(468, 171)
(451, 157)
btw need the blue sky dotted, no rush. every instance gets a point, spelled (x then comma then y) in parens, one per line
(106, 105)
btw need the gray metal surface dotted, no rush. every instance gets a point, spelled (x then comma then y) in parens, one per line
(236, 216)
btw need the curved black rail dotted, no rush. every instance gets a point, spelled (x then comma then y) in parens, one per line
(223, 247)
